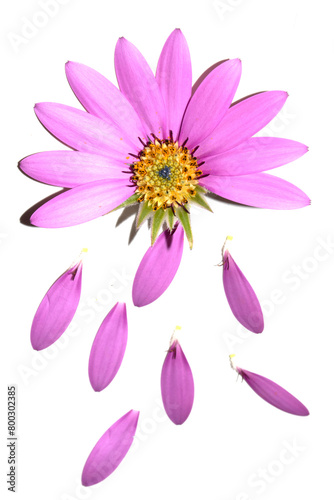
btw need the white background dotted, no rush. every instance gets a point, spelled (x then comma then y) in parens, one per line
(231, 434)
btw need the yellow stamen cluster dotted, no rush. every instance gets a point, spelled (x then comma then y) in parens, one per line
(165, 174)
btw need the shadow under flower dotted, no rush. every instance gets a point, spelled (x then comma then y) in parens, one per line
(125, 215)
(25, 217)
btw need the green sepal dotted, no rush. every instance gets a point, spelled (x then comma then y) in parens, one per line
(144, 211)
(184, 218)
(170, 218)
(201, 190)
(157, 221)
(199, 200)
(130, 201)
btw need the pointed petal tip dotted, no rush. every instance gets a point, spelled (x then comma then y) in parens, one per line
(121, 41)
(110, 449)
(258, 328)
(177, 32)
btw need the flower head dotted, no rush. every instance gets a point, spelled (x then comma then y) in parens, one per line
(154, 143)
(57, 308)
(159, 143)
(108, 348)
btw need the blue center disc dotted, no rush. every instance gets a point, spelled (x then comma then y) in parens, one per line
(164, 173)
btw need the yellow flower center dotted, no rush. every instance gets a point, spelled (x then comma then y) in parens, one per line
(165, 174)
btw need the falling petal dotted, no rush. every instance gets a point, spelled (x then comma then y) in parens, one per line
(241, 297)
(110, 450)
(177, 385)
(108, 348)
(273, 393)
(158, 267)
(57, 308)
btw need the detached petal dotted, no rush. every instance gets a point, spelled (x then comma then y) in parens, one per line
(136, 81)
(71, 168)
(242, 121)
(82, 131)
(177, 385)
(108, 348)
(255, 155)
(241, 297)
(110, 450)
(273, 393)
(57, 308)
(210, 102)
(174, 79)
(81, 204)
(158, 267)
(257, 190)
(101, 98)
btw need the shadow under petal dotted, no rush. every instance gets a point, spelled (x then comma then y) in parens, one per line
(215, 197)
(205, 74)
(247, 97)
(25, 218)
(133, 232)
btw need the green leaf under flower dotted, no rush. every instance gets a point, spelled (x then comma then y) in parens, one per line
(157, 221)
(170, 219)
(200, 200)
(184, 218)
(144, 211)
(130, 201)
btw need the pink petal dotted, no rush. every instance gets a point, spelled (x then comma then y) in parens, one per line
(110, 450)
(57, 308)
(101, 98)
(257, 190)
(210, 102)
(108, 348)
(158, 267)
(136, 81)
(241, 297)
(83, 131)
(174, 79)
(273, 393)
(177, 385)
(81, 204)
(72, 168)
(242, 121)
(253, 156)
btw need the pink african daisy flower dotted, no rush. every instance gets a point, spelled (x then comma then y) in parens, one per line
(162, 144)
